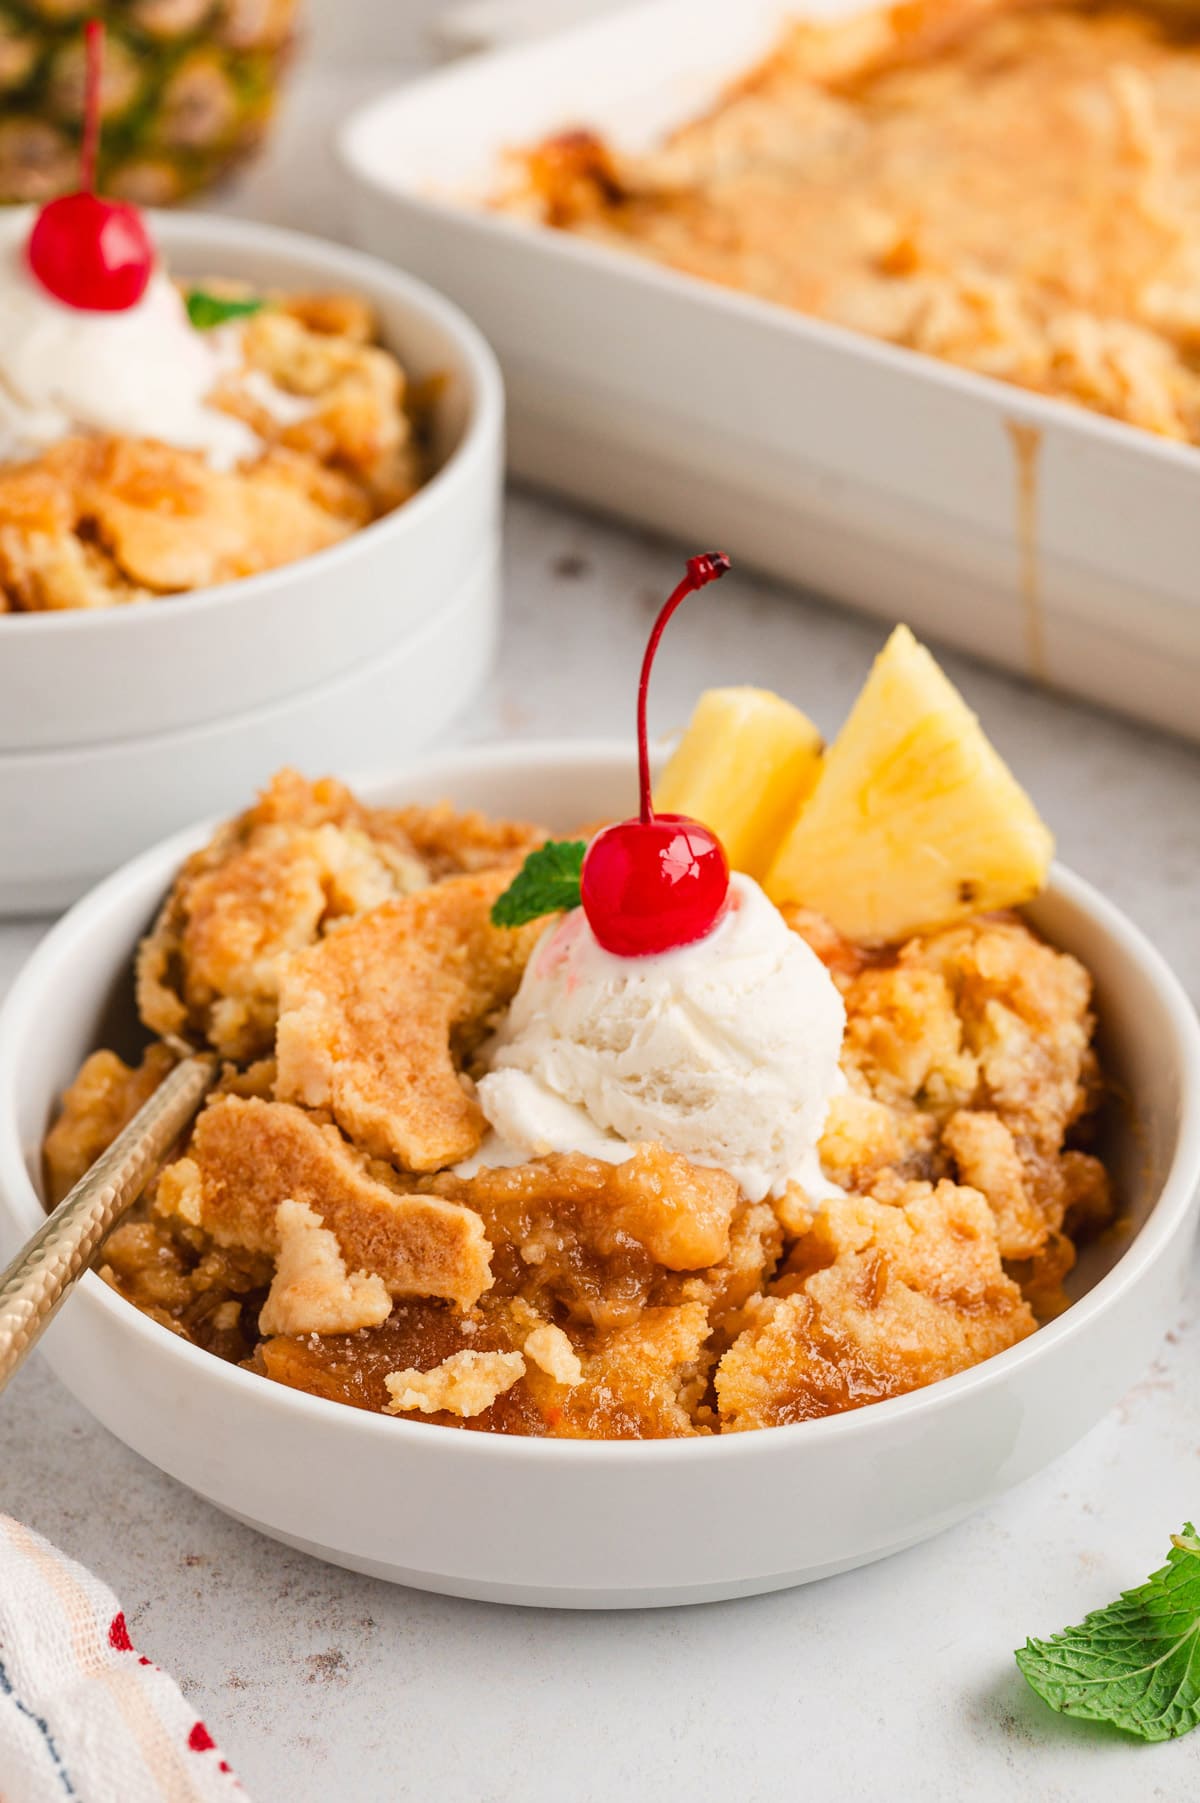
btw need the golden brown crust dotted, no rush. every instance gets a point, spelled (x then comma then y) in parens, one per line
(969, 1055)
(568, 1296)
(305, 856)
(1003, 185)
(102, 1100)
(245, 1158)
(312, 1291)
(875, 1301)
(102, 521)
(376, 1020)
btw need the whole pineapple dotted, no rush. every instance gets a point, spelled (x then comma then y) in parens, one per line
(189, 86)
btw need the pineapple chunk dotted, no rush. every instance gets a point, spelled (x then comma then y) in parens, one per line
(916, 820)
(743, 767)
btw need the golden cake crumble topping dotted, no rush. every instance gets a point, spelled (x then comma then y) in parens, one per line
(274, 881)
(466, 1384)
(312, 1291)
(1008, 185)
(311, 1226)
(99, 519)
(468, 1162)
(423, 974)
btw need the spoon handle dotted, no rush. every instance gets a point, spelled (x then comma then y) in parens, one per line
(64, 1245)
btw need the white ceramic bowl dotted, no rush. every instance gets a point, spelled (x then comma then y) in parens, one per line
(68, 817)
(572, 1523)
(97, 678)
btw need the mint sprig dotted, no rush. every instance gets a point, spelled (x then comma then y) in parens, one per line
(1137, 1662)
(208, 310)
(547, 883)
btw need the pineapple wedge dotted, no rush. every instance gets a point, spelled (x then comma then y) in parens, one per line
(916, 820)
(743, 767)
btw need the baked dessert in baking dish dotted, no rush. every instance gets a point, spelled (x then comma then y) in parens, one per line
(1009, 185)
(599, 1138)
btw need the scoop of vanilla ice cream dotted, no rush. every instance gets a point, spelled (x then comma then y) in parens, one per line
(142, 373)
(725, 1050)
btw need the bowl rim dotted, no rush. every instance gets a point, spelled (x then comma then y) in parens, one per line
(18, 1198)
(361, 272)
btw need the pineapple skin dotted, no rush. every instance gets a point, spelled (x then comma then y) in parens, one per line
(189, 89)
(916, 821)
(744, 765)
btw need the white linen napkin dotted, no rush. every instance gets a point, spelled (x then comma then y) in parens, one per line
(83, 1714)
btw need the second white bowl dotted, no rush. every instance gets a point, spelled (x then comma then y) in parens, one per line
(97, 678)
(68, 817)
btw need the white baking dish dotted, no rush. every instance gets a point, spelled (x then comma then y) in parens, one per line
(109, 677)
(882, 477)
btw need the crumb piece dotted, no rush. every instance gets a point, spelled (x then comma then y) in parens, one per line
(553, 1353)
(181, 1191)
(794, 1211)
(246, 1157)
(644, 1381)
(101, 1101)
(985, 1152)
(312, 1292)
(464, 1384)
(878, 1299)
(374, 1020)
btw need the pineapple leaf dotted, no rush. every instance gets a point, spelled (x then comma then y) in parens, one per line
(208, 310)
(548, 882)
(1135, 1663)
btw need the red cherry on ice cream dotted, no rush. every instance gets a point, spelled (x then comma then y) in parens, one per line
(91, 254)
(88, 252)
(648, 886)
(659, 881)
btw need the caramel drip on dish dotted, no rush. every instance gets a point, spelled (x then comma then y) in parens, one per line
(1027, 446)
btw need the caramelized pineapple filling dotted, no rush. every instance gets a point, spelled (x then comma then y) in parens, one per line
(345, 1218)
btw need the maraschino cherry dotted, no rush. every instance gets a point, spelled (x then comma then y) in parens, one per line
(91, 253)
(659, 881)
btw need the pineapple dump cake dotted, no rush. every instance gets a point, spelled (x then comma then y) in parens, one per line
(599, 1139)
(1011, 187)
(154, 439)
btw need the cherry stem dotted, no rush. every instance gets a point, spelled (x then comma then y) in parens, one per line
(93, 38)
(700, 571)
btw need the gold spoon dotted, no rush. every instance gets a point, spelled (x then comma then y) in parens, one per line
(44, 1271)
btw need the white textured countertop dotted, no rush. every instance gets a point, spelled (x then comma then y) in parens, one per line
(896, 1681)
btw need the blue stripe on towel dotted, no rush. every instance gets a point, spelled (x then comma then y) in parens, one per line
(43, 1728)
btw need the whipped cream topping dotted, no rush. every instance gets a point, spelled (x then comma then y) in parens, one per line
(143, 373)
(725, 1050)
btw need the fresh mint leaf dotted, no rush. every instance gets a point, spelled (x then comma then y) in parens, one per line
(1137, 1662)
(547, 883)
(208, 310)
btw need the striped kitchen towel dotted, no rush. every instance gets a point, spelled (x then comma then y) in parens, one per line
(82, 1713)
